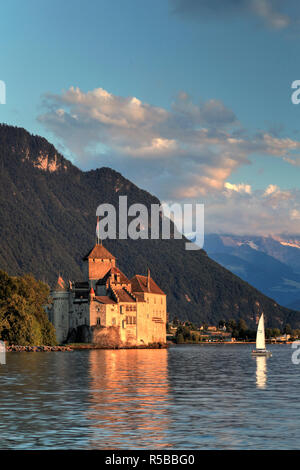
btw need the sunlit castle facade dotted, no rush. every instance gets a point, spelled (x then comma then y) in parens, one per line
(112, 307)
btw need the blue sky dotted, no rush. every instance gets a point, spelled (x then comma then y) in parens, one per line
(236, 63)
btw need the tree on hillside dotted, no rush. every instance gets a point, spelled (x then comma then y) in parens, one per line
(231, 325)
(242, 325)
(288, 329)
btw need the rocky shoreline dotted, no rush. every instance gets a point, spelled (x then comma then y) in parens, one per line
(16, 348)
(72, 347)
(102, 346)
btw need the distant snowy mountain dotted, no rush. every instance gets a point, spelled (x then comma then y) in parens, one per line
(271, 264)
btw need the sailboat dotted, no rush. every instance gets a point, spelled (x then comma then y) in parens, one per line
(261, 340)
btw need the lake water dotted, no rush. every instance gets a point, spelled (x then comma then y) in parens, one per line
(186, 397)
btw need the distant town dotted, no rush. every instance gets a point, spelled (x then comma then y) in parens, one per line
(225, 332)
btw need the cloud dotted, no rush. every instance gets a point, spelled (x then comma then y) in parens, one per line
(240, 188)
(271, 13)
(293, 161)
(238, 209)
(185, 153)
(261, 212)
(271, 189)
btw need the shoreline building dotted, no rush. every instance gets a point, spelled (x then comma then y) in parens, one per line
(110, 308)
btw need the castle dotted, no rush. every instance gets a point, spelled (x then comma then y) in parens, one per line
(112, 308)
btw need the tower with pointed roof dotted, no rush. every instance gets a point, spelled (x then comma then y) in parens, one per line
(97, 262)
(59, 311)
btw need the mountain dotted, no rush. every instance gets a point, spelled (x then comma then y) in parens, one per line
(47, 224)
(270, 264)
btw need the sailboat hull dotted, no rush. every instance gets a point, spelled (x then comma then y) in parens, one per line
(261, 352)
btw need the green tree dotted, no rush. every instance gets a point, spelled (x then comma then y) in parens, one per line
(269, 333)
(288, 329)
(23, 319)
(275, 332)
(179, 338)
(296, 333)
(242, 325)
(231, 325)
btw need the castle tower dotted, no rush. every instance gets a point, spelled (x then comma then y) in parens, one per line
(60, 309)
(97, 263)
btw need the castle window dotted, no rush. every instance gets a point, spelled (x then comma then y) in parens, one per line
(134, 320)
(98, 321)
(113, 322)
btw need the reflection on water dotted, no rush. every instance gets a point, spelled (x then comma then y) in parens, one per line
(187, 397)
(261, 372)
(129, 396)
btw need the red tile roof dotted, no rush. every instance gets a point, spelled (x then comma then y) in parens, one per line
(123, 278)
(99, 252)
(104, 299)
(124, 296)
(139, 284)
(109, 272)
(60, 285)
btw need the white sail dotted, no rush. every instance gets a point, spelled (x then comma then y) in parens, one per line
(260, 335)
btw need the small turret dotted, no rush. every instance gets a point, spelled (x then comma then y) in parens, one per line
(60, 284)
(92, 294)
